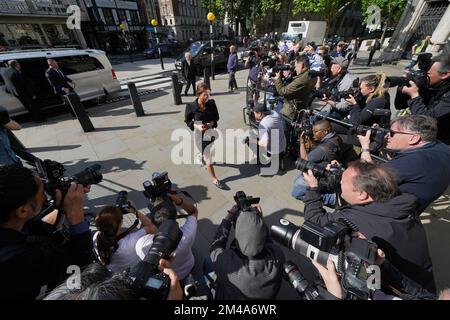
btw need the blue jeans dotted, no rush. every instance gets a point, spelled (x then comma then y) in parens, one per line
(299, 191)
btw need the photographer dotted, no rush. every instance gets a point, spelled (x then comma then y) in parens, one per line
(7, 155)
(251, 267)
(165, 210)
(315, 60)
(270, 125)
(30, 266)
(294, 52)
(380, 212)
(328, 147)
(373, 96)
(438, 103)
(420, 163)
(114, 245)
(296, 93)
(341, 80)
(396, 286)
(202, 115)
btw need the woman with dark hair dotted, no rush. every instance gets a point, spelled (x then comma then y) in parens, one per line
(202, 115)
(114, 245)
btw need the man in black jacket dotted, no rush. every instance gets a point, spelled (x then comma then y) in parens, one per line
(19, 85)
(60, 83)
(382, 214)
(31, 266)
(438, 103)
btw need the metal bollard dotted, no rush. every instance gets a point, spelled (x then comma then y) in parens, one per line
(176, 89)
(206, 75)
(135, 100)
(73, 100)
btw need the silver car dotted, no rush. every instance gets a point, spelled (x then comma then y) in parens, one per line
(89, 69)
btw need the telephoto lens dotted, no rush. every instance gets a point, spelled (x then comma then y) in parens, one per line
(299, 282)
(304, 166)
(90, 175)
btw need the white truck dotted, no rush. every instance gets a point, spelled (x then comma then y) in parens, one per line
(306, 31)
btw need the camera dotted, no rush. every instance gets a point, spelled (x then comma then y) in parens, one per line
(329, 180)
(374, 132)
(419, 77)
(52, 175)
(151, 283)
(122, 202)
(243, 202)
(334, 240)
(281, 68)
(160, 186)
(302, 127)
(299, 282)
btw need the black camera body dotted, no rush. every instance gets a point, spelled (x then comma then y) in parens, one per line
(243, 202)
(334, 240)
(52, 175)
(305, 127)
(329, 180)
(122, 202)
(147, 279)
(160, 186)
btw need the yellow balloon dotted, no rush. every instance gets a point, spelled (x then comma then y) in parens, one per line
(211, 16)
(154, 22)
(121, 26)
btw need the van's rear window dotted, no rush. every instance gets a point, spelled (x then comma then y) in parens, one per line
(77, 64)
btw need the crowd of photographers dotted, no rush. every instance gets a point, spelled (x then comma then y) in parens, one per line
(380, 175)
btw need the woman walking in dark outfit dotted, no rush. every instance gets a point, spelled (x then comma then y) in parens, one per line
(188, 71)
(202, 115)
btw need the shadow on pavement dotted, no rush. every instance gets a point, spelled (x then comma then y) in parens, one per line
(115, 128)
(53, 148)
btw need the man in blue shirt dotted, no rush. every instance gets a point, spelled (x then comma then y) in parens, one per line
(232, 68)
(420, 163)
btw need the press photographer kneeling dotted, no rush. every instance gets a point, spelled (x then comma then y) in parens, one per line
(378, 209)
(324, 146)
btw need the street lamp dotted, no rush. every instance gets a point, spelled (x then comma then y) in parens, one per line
(154, 23)
(211, 17)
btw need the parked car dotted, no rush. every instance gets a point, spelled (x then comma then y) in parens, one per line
(90, 70)
(167, 50)
(201, 55)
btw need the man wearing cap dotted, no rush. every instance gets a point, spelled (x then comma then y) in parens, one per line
(252, 266)
(343, 80)
(339, 52)
(270, 126)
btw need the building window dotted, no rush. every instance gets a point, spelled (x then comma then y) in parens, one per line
(109, 19)
(134, 17)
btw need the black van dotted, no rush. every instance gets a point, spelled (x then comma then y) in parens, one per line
(201, 55)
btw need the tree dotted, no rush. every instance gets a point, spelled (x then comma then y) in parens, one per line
(330, 10)
(241, 8)
(391, 11)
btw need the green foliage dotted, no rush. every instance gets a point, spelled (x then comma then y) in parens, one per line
(327, 8)
(241, 8)
(391, 10)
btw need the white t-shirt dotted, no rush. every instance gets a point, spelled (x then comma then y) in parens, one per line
(271, 127)
(125, 255)
(184, 259)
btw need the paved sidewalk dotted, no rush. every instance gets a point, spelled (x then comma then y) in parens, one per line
(130, 149)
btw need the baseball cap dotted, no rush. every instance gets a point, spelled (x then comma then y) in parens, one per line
(340, 61)
(260, 107)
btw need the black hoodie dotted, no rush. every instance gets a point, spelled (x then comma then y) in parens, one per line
(391, 225)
